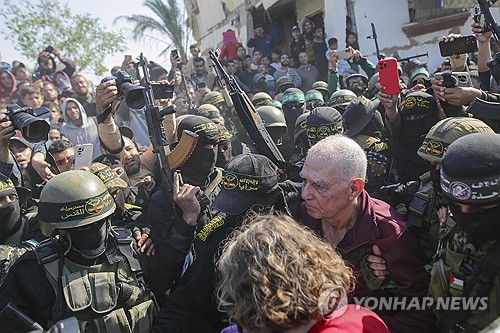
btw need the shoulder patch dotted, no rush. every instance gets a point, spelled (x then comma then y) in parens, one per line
(215, 223)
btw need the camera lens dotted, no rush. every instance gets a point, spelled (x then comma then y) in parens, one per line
(34, 129)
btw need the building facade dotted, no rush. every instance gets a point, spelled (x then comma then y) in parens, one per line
(405, 27)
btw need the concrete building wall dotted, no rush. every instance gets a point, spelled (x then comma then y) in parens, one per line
(389, 17)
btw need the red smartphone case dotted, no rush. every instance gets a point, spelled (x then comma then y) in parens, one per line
(389, 75)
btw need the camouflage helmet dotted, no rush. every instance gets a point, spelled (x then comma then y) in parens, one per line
(213, 97)
(73, 199)
(341, 99)
(313, 94)
(320, 86)
(271, 116)
(445, 132)
(300, 126)
(261, 99)
(210, 111)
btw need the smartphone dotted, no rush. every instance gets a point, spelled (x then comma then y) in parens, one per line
(201, 85)
(345, 54)
(36, 76)
(49, 49)
(478, 17)
(461, 45)
(162, 90)
(389, 75)
(83, 155)
(457, 79)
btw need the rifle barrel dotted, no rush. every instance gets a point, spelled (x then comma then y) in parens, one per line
(426, 54)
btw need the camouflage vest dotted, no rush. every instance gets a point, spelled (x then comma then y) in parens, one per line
(14, 248)
(452, 271)
(109, 297)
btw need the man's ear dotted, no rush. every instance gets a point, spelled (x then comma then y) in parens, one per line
(356, 187)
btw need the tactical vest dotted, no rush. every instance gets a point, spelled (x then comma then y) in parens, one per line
(449, 279)
(109, 297)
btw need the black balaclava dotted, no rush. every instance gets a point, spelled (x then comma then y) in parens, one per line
(470, 172)
(423, 107)
(295, 97)
(10, 219)
(480, 226)
(199, 166)
(201, 163)
(90, 240)
(276, 134)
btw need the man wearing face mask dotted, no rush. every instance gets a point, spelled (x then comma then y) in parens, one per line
(408, 125)
(16, 225)
(418, 201)
(467, 262)
(249, 185)
(194, 189)
(275, 124)
(87, 268)
(293, 103)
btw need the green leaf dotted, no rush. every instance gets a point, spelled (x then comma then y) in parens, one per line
(33, 25)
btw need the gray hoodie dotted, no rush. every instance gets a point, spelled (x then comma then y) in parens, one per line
(86, 133)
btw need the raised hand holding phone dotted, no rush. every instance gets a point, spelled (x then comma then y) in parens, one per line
(389, 75)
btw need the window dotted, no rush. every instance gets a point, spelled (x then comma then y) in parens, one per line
(423, 10)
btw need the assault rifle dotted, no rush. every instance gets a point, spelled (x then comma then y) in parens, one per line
(493, 64)
(169, 160)
(250, 119)
(375, 38)
(426, 54)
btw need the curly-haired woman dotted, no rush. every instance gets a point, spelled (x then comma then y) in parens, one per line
(277, 276)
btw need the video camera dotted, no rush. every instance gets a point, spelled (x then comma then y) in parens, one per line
(134, 96)
(34, 129)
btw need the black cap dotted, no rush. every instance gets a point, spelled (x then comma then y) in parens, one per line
(127, 131)
(419, 102)
(322, 122)
(358, 114)
(7, 187)
(204, 127)
(246, 179)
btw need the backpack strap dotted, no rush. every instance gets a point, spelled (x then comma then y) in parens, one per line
(124, 242)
